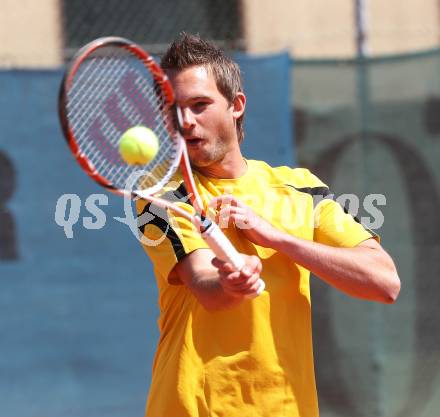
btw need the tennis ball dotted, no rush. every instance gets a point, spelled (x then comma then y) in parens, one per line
(138, 145)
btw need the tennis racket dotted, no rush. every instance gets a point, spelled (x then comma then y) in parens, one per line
(112, 84)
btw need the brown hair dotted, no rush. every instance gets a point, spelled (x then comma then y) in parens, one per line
(190, 50)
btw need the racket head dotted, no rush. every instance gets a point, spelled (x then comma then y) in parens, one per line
(111, 85)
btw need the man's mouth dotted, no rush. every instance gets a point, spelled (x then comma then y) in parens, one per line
(193, 141)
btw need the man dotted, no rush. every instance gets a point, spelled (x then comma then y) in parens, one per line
(221, 352)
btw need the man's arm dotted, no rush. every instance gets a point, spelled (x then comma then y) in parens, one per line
(365, 271)
(214, 283)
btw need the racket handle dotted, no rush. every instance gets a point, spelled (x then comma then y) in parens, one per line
(225, 251)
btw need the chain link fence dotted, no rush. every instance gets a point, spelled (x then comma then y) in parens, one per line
(151, 23)
(371, 127)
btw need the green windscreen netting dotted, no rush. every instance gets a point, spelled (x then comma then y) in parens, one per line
(371, 130)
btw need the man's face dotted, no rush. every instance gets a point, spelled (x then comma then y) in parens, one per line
(208, 118)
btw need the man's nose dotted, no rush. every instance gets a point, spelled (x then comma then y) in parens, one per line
(187, 118)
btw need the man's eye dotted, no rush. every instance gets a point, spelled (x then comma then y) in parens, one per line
(200, 105)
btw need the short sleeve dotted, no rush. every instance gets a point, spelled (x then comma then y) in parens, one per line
(334, 226)
(166, 238)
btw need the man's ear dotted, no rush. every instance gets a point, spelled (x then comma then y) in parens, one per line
(238, 105)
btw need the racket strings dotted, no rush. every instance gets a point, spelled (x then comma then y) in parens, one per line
(111, 92)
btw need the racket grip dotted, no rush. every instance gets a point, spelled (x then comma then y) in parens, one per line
(225, 251)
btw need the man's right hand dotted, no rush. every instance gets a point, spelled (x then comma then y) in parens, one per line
(242, 283)
(214, 283)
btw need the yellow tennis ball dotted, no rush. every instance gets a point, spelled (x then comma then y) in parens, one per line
(138, 145)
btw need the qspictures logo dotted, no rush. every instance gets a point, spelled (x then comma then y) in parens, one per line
(69, 211)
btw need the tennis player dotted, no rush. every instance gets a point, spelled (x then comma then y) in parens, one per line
(222, 352)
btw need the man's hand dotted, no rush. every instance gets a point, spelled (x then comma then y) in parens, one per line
(231, 210)
(242, 283)
(213, 282)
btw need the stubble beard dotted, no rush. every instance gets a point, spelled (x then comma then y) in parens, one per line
(208, 155)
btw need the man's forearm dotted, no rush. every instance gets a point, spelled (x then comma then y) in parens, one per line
(365, 271)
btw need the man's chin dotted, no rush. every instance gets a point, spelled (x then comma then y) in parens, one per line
(199, 159)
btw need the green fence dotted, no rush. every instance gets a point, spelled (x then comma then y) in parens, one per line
(372, 127)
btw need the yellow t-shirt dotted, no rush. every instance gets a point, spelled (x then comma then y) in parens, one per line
(255, 359)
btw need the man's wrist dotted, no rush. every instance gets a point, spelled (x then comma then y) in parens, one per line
(283, 241)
